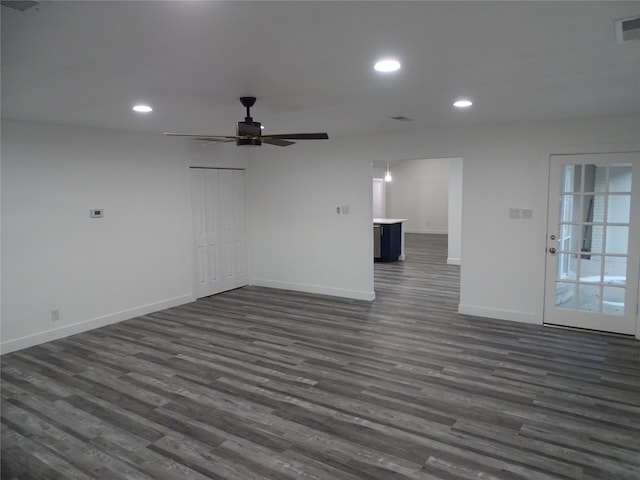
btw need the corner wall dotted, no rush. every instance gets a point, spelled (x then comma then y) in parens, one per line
(95, 271)
(505, 166)
(299, 240)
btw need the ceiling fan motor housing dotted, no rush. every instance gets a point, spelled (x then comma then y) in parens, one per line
(248, 133)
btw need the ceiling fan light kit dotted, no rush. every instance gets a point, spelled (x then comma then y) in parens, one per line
(249, 132)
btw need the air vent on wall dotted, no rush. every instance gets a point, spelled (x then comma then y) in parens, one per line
(19, 5)
(628, 29)
(400, 118)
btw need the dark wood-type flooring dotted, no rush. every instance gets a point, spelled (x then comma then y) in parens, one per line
(260, 383)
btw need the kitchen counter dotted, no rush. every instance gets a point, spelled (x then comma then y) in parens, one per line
(387, 221)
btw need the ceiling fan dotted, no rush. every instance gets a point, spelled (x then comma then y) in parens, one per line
(250, 132)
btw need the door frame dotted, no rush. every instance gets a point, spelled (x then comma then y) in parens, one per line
(622, 149)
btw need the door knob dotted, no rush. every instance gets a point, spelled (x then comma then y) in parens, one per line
(552, 250)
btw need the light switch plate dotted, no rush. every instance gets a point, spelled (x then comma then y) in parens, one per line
(96, 213)
(514, 213)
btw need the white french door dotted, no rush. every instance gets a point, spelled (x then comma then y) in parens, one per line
(593, 242)
(219, 229)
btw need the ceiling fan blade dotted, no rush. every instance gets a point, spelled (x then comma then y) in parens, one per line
(214, 140)
(301, 136)
(200, 137)
(276, 141)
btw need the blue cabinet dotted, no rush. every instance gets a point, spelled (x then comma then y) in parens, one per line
(387, 241)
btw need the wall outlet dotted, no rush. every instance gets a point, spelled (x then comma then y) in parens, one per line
(55, 315)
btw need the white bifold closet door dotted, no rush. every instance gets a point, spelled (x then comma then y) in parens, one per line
(219, 230)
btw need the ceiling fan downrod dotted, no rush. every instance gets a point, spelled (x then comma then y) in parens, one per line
(248, 102)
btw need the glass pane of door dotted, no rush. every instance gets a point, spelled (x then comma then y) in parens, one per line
(585, 231)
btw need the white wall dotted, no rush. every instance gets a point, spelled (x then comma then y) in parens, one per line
(378, 172)
(93, 270)
(135, 260)
(139, 257)
(299, 241)
(502, 274)
(454, 229)
(420, 192)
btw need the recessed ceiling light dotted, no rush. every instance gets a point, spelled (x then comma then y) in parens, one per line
(142, 109)
(387, 65)
(463, 103)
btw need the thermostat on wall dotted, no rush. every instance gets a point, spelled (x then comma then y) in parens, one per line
(96, 213)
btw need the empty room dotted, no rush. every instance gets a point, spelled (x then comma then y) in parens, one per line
(192, 283)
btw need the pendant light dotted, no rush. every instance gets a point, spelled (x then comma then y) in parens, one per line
(387, 175)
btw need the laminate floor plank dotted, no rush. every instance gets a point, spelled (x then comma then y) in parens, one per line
(258, 383)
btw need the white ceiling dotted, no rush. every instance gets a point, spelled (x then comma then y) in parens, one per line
(310, 64)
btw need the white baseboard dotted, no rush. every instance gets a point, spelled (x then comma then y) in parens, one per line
(79, 327)
(319, 289)
(453, 261)
(499, 314)
(433, 232)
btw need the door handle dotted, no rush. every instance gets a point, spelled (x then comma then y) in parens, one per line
(552, 250)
